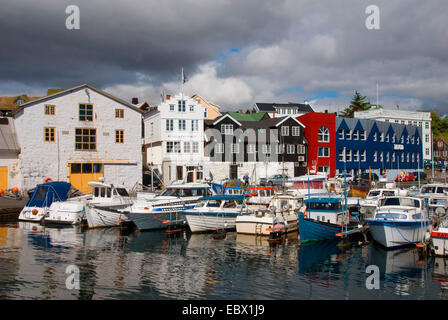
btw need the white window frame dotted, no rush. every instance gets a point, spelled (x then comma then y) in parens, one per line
(227, 129)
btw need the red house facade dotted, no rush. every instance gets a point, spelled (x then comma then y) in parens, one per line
(320, 131)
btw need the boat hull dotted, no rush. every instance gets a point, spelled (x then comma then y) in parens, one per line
(261, 225)
(65, 213)
(154, 220)
(206, 222)
(313, 230)
(102, 217)
(27, 214)
(397, 234)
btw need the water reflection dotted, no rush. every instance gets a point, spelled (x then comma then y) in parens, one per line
(119, 264)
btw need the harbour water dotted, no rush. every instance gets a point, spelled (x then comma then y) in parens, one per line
(119, 264)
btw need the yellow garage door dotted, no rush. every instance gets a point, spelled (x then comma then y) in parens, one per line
(82, 173)
(4, 178)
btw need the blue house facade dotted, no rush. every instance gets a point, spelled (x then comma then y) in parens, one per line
(386, 148)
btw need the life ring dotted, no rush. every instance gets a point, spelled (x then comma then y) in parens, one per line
(48, 179)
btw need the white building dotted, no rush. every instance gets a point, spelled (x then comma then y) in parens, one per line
(174, 139)
(414, 118)
(78, 135)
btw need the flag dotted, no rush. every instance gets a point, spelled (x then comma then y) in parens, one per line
(184, 77)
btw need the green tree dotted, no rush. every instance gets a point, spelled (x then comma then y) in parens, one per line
(358, 103)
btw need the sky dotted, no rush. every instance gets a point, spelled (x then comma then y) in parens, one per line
(234, 52)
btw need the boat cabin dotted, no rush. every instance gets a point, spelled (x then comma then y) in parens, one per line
(221, 202)
(261, 191)
(183, 191)
(401, 208)
(105, 192)
(329, 210)
(438, 189)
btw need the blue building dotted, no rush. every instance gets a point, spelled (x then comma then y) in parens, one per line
(386, 148)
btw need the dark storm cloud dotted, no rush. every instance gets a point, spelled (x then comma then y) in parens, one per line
(118, 38)
(234, 52)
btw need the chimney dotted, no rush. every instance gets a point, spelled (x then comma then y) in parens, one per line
(134, 100)
(168, 97)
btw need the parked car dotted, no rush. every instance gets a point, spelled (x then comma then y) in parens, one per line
(275, 180)
(423, 175)
(438, 165)
(349, 177)
(365, 176)
(407, 177)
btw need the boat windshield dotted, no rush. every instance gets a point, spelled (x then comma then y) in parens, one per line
(324, 205)
(186, 192)
(122, 192)
(408, 202)
(428, 190)
(388, 193)
(391, 216)
(374, 193)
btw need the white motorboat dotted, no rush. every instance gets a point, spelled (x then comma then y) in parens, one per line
(43, 196)
(104, 209)
(216, 213)
(369, 204)
(437, 196)
(165, 209)
(399, 221)
(280, 216)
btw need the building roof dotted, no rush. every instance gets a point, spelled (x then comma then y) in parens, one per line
(85, 85)
(270, 107)
(9, 103)
(257, 116)
(8, 137)
(394, 114)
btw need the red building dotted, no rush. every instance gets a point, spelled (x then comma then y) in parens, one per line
(320, 131)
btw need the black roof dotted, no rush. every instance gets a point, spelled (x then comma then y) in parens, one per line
(270, 106)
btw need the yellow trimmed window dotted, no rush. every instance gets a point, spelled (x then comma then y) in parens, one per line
(119, 113)
(85, 139)
(49, 134)
(50, 110)
(119, 136)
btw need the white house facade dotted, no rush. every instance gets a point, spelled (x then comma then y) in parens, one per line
(79, 135)
(174, 139)
(414, 118)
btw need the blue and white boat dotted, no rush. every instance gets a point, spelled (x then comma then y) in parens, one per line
(323, 218)
(165, 209)
(400, 221)
(216, 213)
(43, 196)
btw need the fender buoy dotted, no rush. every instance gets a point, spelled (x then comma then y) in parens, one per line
(48, 179)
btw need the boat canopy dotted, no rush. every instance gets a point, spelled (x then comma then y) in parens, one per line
(45, 194)
(238, 197)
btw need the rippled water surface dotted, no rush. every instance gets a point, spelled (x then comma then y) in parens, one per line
(117, 264)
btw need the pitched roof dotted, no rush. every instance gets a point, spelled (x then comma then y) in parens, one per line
(257, 116)
(59, 93)
(9, 103)
(269, 107)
